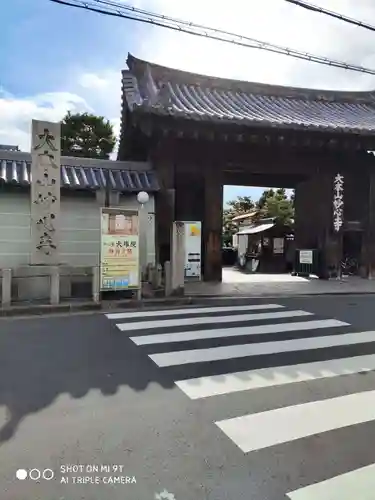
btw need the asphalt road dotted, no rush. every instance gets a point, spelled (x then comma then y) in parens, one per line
(85, 399)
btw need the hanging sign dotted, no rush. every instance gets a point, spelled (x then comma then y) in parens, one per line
(119, 255)
(193, 239)
(338, 202)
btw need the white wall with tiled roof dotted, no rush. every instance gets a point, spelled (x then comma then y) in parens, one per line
(80, 228)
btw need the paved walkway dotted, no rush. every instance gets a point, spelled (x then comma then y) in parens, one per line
(236, 283)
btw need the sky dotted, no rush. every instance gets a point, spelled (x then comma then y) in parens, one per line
(55, 58)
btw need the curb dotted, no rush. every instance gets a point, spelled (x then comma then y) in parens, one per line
(278, 295)
(46, 309)
(41, 309)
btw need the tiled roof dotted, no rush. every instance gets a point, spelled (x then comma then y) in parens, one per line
(7, 147)
(243, 217)
(155, 89)
(83, 177)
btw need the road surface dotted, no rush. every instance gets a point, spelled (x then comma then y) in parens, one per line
(264, 399)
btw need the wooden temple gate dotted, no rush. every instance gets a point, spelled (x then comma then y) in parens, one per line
(202, 133)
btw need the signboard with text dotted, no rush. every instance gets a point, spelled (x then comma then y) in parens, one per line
(119, 253)
(193, 241)
(305, 256)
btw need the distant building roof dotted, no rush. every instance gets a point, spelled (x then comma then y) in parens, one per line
(255, 228)
(153, 89)
(248, 215)
(6, 147)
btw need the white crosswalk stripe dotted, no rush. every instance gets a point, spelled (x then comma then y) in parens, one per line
(203, 387)
(246, 350)
(359, 484)
(261, 430)
(180, 339)
(164, 323)
(231, 331)
(193, 311)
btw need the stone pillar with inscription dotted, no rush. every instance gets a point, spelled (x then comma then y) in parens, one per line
(45, 193)
(178, 257)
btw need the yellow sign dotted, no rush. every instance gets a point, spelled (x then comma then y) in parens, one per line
(119, 261)
(194, 230)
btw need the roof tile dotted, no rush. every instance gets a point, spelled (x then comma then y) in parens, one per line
(186, 95)
(80, 177)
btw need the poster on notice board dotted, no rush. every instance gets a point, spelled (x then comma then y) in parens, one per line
(119, 252)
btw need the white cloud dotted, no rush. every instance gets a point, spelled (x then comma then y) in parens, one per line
(16, 114)
(275, 21)
(98, 94)
(92, 81)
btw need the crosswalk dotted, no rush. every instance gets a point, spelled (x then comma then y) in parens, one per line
(205, 339)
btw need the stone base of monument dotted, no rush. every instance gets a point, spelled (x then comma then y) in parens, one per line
(56, 284)
(51, 283)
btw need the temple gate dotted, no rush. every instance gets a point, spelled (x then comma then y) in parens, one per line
(202, 133)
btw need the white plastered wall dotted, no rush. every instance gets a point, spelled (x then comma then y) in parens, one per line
(80, 228)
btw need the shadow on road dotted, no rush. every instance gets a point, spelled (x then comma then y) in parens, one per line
(41, 359)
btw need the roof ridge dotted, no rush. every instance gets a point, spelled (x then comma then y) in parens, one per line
(77, 161)
(139, 67)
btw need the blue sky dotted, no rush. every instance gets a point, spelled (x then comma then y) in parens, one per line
(54, 58)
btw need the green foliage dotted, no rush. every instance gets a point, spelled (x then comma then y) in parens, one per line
(229, 228)
(276, 204)
(268, 193)
(85, 135)
(240, 206)
(271, 204)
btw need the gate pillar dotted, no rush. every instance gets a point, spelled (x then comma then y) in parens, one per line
(368, 247)
(212, 224)
(314, 218)
(164, 210)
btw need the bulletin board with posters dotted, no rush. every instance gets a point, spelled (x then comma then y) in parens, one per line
(119, 252)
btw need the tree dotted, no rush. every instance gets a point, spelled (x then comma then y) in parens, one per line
(276, 204)
(229, 228)
(268, 193)
(85, 135)
(241, 205)
(273, 203)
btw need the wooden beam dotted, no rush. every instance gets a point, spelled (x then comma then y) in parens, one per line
(260, 180)
(299, 137)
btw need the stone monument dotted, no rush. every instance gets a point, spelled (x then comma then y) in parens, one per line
(45, 193)
(178, 258)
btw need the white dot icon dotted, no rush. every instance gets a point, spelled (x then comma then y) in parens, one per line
(21, 474)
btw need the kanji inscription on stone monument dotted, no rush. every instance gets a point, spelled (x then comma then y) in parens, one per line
(45, 192)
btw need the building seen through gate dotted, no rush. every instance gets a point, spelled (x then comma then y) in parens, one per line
(201, 133)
